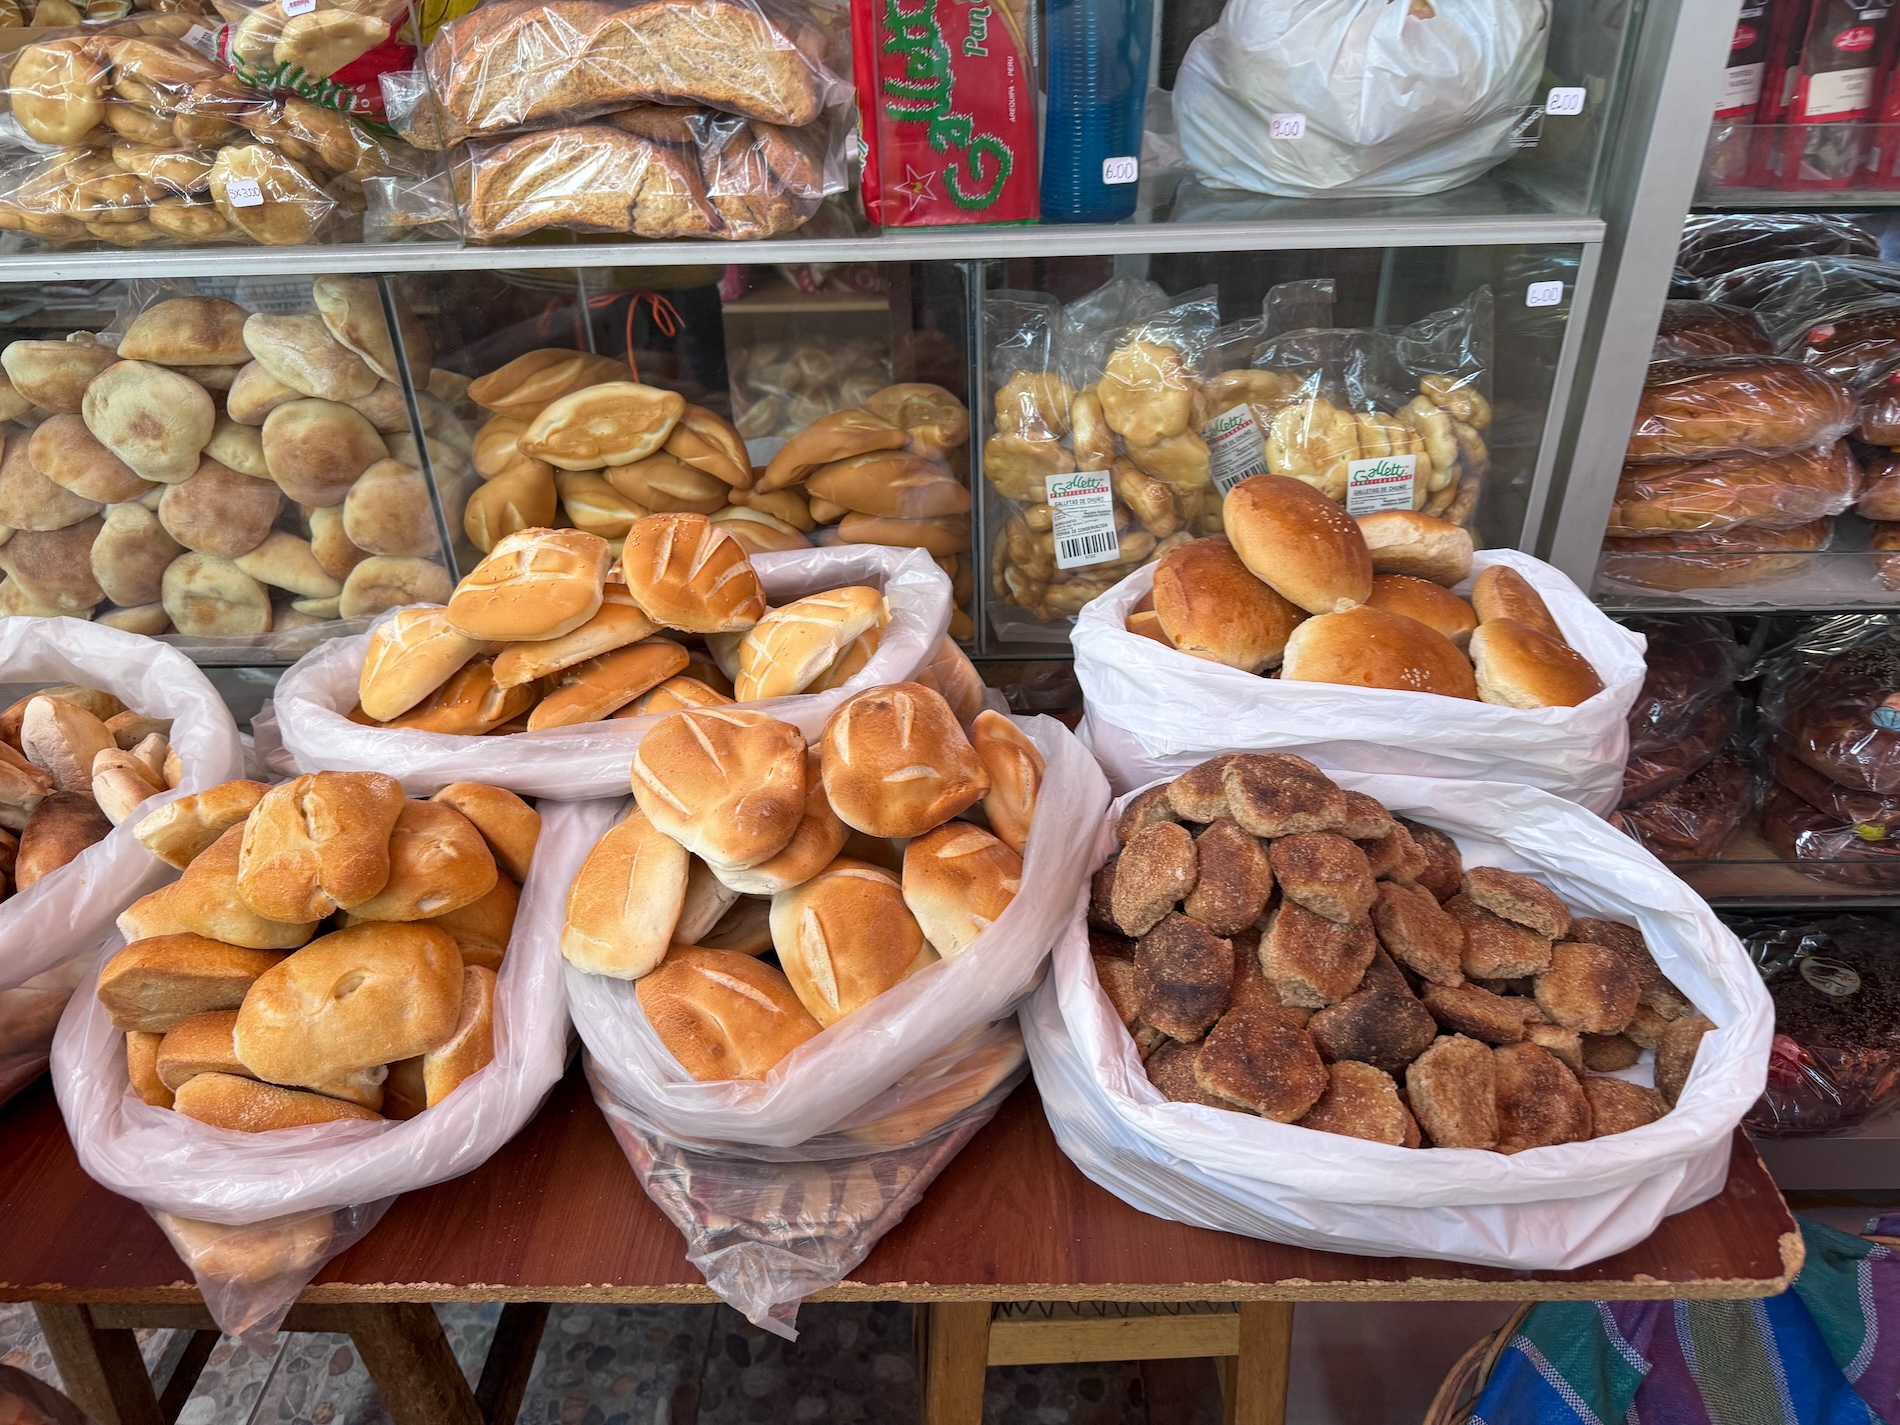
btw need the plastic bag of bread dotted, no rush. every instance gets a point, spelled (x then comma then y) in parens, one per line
(1767, 492)
(1693, 818)
(49, 931)
(1826, 848)
(1696, 407)
(1543, 1200)
(1690, 328)
(1857, 343)
(1787, 294)
(1714, 559)
(782, 1149)
(255, 1185)
(1714, 244)
(1688, 704)
(314, 700)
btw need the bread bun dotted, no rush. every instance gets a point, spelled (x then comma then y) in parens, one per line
(1432, 604)
(706, 903)
(676, 694)
(1370, 648)
(727, 784)
(205, 900)
(893, 483)
(438, 862)
(353, 999)
(723, 1014)
(897, 764)
(958, 880)
(524, 496)
(846, 936)
(591, 691)
(62, 739)
(469, 704)
(155, 985)
(150, 417)
(141, 1067)
(618, 623)
(481, 929)
(472, 1047)
(1520, 667)
(1717, 559)
(1210, 605)
(688, 573)
(938, 536)
(410, 655)
(508, 824)
(837, 436)
(814, 845)
(1770, 491)
(625, 900)
(247, 1106)
(319, 843)
(534, 584)
(1015, 768)
(65, 452)
(707, 442)
(1299, 542)
(1406, 542)
(201, 1044)
(786, 650)
(759, 531)
(613, 423)
(530, 383)
(150, 916)
(664, 484)
(1501, 592)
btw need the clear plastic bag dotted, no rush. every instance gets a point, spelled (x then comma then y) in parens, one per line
(1394, 100)
(1696, 817)
(1658, 762)
(1714, 244)
(1786, 295)
(1846, 853)
(1707, 329)
(1766, 492)
(1858, 344)
(1697, 407)
(1831, 692)
(1713, 559)
(334, 56)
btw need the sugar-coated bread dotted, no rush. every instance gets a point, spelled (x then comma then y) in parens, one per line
(686, 572)
(722, 1014)
(1362, 1102)
(1431, 604)
(247, 1106)
(1015, 769)
(618, 623)
(155, 985)
(1502, 592)
(897, 764)
(534, 584)
(594, 689)
(846, 936)
(1210, 605)
(814, 845)
(625, 901)
(318, 843)
(1520, 667)
(789, 648)
(1299, 542)
(958, 880)
(507, 823)
(1452, 1089)
(1539, 1100)
(1421, 545)
(60, 829)
(472, 1047)
(353, 999)
(1370, 648)
(205, 900)
(727, 784)
(411, 654)
(438, 862)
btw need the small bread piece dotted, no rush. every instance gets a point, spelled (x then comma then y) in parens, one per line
(1617, 1105)
(1387, 1028)
(1101, 908)
(1366, 819)
(686, 572)
(786, 650)
(155, 985)
(319, 843)
(817, 842)
(1452, 1090)
(846, 936)
(613, 423)
(1016, 768)
(1675, 1054)
(60, 829)
(528, 385)
(1418, 932)
(1211, 606)
(1368, 647)
(1518, 899)
(1444, 873)
(1233, 881)
(727, 784)
(1540, 1102)
(1430, 604)
(1277, 794)
(141, 1067)
(63, 740)
(1607, 1053)
(247, 1106)
(507, 823)
(1394, 856)
(120, 782)
(1299, 542)
(1183, 977)
(1149, 808)
(625, 901)
(410, 655)
(205, 900)
(1325, 873)
(958, 880)
(152, 418)
(1311, 961)
(1170, 1067)
(593, 690)
(202, 1044)
(723, 1014)
(150, 916)
(481, 929)
(896, 762)
(1657, 994)
(1362, 1101)
(1250, 987)
(1501, 592)
(1417, 545)
(1467, 1009)
(1200, 793)
(469, 704)
(534, 584)
(1256, 1059)
(438, 862)
(1588, 988)
(472, 1047)
(1520, 667)
(1155, 870)
(1495, 948)
(1566, 1044)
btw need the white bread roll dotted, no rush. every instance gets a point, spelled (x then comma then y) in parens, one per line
(318, 843)
(469, 704)
(1299, 542)
(438, 863)
(1502, 592)
(1522, 667)
(613, 423)
(618, 623)
(120, 782)
(850, 662)
(814, 846)
(207, 1044)
(179, 830)
(745, 927)
(150, 916)
(1210, 605)
(957, 880)
(727, 784)
(155, 985)
(691, 574)
(1432, 604)
(411, 654)
(896, 763)
(786, 651)
(141, 1067)
(63, 740)
(247, 1106)
(472, 1047)
(534, 584)
(676, 694)
(846, 936)
(508, 824)
(1406, 542)
(1016, 768)
(625, 900)
(722, 1014)
(205, 900)
(596, 688)
(1369, 648)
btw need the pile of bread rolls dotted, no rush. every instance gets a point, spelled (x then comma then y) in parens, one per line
(328, 953)
(220, 473)
(780, 387)
(855, 862)
(74, 763)
(1278, 946)
(1302, 591)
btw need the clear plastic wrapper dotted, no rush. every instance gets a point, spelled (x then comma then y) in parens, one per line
(1833, 693)
(1657, 763)
(1857, 344)
(1879, 418)
(1687, 705)
(780, 387)
(1769, 492)
(1690, 328)
(1786, 295)
(334, 55)
(1713, 559)
(1714, 244)
(1875, 811)
(1847, 854)
(1696, 407)
(1695, 818)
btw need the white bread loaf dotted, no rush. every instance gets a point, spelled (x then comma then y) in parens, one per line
(319, 843)
(534, 584)
(787, 649)
(1015, 768)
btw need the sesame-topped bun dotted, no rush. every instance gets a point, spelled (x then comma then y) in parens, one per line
(1370, 648)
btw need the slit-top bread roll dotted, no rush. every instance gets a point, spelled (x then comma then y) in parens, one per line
(786, 650)
(846, 936)
(534, 584)
(625, 901)
(958, 880)
(410, 655)
(688, 573)
(318, 843)
(723, 1014)
(897, 764)
(1015, 768)
(727, 784)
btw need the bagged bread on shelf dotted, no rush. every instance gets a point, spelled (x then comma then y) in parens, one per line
(1582, 1168)
(1714, 559)
(1695, 817)
(1766, 492)
(780, 387)
(1787, 294)
(265, 1123)
(1714, 244)
(1688, 704)
(1827, 692)
(1689, 328)
(1826, 848)
(1692, 408)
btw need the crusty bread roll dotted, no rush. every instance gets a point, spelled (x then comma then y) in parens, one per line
(150, 916)
(532, 382)
(1211, 606)
(120, 783)
(205, 900)
(469, 704)
(676, 694)
(438, 862)
(1521, 667)
(62, 739)
(141, 1067)
(786, 650)
(846, 936)
(411, 654)
(1370, 648)
(957, 880)
(353, 999)
(727, 784)
(722, 1014)
(319, 843)
(534, 584)
(707, 441)
(472, 1047)
(592, 690)
(1407, 542)
(613, 423)
(893, 483)
(481, 929)
(1015, 768)
(155, 985)
(1431, 603)
(201, 1044)
(625, 901)
(837, 436)
(618, 623)
(896, 763)
(1500, 592)
(247, 1106)
(814, 845)
(1299, 542)
(706, 903)
(951, 673)
(689, 573)
(507, 823)
(937, 535)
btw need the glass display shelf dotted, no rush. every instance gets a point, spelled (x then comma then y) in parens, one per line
(1750, 875)
(1845, 576)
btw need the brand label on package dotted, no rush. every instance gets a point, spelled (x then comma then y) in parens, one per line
(1836, 93)
(1382, 483)
(1235, 447)
(1741, 87)
(1830, 977)
(243, 193)
(1084, 508)
(203, 40)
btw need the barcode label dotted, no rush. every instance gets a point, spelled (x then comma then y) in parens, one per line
(1086, 549)
(1235, 447)
(1084, 524)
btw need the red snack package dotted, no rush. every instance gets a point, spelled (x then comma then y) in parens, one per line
(1833, 93)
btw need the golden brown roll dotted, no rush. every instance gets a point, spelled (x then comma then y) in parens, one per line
(618, 623)
(1370, 648)
(1520, 667)
(507, 823)
(481, 929)
(723, 1014)
(141, 1067)
(1418, 545)
(1766, 491)
(410, 655)
(688, 573)
(845, 936)
(957, 881)
(1015, 769)
(469, 704)
(151, 417)
(472, 1047)
(837, 436)
(897, 764)
(1299, 542)
(939, 536)
(625, 901)
(530, 383)
(592, 690)
(1716, 559)
(814, 845)
(319, 843)
(65, 452)
(786, 650)
(247, 1106)
(727, 784)
(155, 985)
(1430, 603)
(1703, 406)
(438, 863)
(705, 441)
(893, 483)
(1210, 605)
(613, 423)
(205, 900)
(534, 584)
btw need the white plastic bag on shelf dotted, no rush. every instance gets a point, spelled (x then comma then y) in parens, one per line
(1545, 1209)
(49, 931)
(1360, 98)
(926, 1052)
(256, 1215)
(313, 699)
(1153, 713)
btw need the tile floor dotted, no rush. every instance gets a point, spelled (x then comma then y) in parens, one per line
(852, 1365)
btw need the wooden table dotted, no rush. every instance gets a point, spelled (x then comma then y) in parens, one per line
(558, 1217)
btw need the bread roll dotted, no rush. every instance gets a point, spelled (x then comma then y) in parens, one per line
(524, 496)
(410, 655)
(205, 900)
(892, 483)
(508, 824)
(526, 386)
(837, 436)
(625, 900)
(472, 1047)
(178, 831)
(534, 584)
(674, 695)
(120, 782)
(1701, 406)
(1520, 667)
(1298, 542)
(958, 880)
(1369, 648)
(329, 543)
(613, 423)
(60, 828)
(351, 307)
(319, 843)
(298, 351)
(154, 985)
(1406, 542)
(723, 1014)
(22, 787)
(286, 562)
(897, 764)
(65, 452)
(350, 1000)
(54, 567)
(141, 1067)
(939, 536)
(218, 512)
(787, 649)
(469, 704)
(438, 863)
(663, 484)
(592, 690)
(1211, 606)
(202, 1044)
(386, 581)
(152, 418)
(150, 916)
(1766, 491)
(951, 673)
(388, 511)
(845, 936)
(727, 784)
(254, 394)
(589, 502)
(1015, 769)
(28, 500)
(1716, 559)
(814, 845)
(187, 331)
(1501, 592)
(149, 620)
(706, 903)
(207, 597)
(247, 1106)
(1432, 604)
(130, 554)
(62, 739)
(687, 573)
(55, 374)
(481, 929)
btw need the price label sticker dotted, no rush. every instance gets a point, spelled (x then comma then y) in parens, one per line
(1384, 482)
(202, 40)
(1287, 126)
(1120, 170)
(299, 7)
(1559, 103)
(1235, 447)
(1084, 508)
(1543, 294)
(243, 193)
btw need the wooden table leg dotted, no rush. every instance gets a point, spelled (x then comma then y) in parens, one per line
(185, 1374)
(1260, 1371)
(100, 1368)
(408, 1357)
(510, 1361)
(955, 1357)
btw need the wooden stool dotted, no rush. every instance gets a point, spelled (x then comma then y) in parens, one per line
(958, 1341)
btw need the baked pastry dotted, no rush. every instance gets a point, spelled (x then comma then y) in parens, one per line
(687, 573)
(1159, 866)
(1385, 1027)
(1452, 1090)
(1301, 544)
(1183, 977)
(1689, 328)
(1367, 647)
(1418, 545)
(727, 784)
(845, 936)
(1431, 604)
(625, 901)
(1362, 1101)
(534, 584)
(318, 843)
(896, 763)
(1693, 819)
(1716, 559)
(1233, 877)
(1256, 1059)
(1842, 803)
(1521, 667)
(1539, 1100)
(1210, 605)
(1773, 491)
(1703, 406)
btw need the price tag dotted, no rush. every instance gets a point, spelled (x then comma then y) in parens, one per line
(1084, 509)
(243, 193)
(1120, 170)
(1543, 294)
(1384, 482)
(1559, 103)
(1287, 126)
(299, 7)
(202, 40)
(1235, 447)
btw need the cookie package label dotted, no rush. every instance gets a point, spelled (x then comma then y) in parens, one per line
(1236, 448)
(1830, 977)
(1084, 508)
(949, 115)
(1385, 482)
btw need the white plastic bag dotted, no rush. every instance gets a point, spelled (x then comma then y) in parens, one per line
(1152, 713)
(1361, 98)
(1545, 1209)
(314, 698)
(262, 1212)
(48, 933)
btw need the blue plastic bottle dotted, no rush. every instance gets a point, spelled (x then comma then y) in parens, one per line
(1097, 70)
